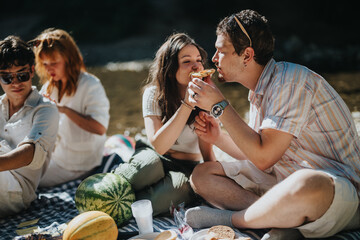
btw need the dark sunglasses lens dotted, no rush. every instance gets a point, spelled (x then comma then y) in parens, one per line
(6, 78)
(23, 77)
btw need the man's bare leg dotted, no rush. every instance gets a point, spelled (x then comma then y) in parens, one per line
(301, 198)
(210, 182)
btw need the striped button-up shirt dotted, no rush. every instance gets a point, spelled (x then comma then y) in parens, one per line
(293, 99)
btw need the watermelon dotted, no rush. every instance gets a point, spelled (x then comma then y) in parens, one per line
(106, 192)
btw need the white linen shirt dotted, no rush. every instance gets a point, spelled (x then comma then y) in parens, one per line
(188, 140)
(77, 149)
(36, 122)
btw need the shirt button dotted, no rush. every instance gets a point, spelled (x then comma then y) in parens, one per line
(5, 130)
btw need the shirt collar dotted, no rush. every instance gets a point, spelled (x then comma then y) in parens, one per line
(33, 98)
(263, 81)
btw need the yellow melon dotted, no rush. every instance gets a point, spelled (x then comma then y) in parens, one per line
(91, 225)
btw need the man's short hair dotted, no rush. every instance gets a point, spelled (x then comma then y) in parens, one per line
(258, 30)
(15, 52)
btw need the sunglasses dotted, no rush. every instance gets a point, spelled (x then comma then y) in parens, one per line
(243, 29)
(8, 78)
(47, 42)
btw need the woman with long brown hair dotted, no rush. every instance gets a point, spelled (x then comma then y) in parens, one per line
(81, 101)
(160, 170)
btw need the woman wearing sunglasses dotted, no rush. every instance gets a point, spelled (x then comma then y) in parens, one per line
(82, 103)
(28, 127)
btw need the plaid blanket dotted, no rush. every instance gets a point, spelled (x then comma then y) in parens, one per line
(57, 204)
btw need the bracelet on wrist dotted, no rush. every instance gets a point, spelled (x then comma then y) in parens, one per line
(187, 105)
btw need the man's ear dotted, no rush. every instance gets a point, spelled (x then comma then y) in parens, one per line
(248, 54)
(32, 71)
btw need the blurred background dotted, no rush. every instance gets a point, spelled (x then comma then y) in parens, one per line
(118, 39)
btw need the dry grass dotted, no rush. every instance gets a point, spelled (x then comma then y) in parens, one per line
(123, 88)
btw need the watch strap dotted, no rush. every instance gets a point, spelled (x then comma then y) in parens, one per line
(218, 108)
(223, 104)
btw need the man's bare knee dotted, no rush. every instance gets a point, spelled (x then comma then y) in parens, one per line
(200, 175)
(313, 190)
(311, 182)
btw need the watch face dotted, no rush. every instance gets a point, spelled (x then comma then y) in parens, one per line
(216, 111)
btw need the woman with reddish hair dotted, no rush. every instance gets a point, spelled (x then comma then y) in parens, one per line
(81, 101)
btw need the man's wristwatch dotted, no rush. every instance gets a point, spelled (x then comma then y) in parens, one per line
(218, 108)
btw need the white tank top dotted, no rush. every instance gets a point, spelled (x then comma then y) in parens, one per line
(188, 141)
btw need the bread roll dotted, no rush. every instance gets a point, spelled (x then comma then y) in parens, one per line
(220, 232)
(166, 235)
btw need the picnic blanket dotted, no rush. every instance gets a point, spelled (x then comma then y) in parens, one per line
(57, 204)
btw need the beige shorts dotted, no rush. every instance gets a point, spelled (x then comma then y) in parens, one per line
(343, 213)
(249, 177)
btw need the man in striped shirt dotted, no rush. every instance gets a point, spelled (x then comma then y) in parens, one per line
(298, 159)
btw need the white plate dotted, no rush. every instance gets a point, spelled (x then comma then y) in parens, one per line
(147, 236)
(200, 235)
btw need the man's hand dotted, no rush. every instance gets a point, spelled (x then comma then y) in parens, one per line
(204, 94)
